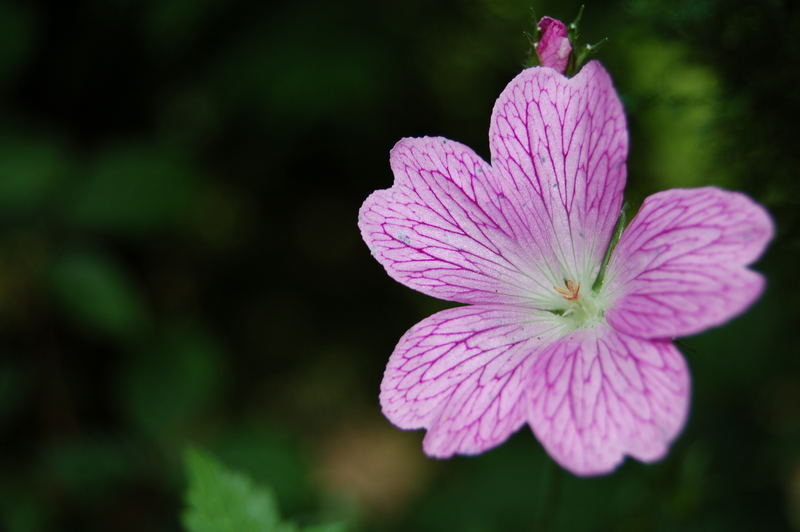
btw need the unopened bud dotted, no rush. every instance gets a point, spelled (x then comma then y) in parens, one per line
(553, 47)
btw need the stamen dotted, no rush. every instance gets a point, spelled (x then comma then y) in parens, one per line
(572, 291)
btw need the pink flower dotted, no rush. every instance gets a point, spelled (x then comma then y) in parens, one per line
(590, 366)
(553, 47)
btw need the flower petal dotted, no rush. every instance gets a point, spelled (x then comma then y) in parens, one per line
(461, 374)
(599, 395)
(441, 228)
(680, 267)
(560, 146)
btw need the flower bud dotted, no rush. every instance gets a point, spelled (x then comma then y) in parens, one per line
(553, 47)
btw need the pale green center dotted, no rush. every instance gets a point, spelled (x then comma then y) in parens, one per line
(580, 307)
(582, 304)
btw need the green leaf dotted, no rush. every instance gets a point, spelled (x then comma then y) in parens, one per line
(220, 500)
(96, 293)
(135, 191)
(327, 527)
(271, 456)
(30, 172)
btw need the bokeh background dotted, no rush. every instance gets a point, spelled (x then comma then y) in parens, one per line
(180, 263)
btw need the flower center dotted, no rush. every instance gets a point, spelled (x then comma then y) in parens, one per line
(580, 309)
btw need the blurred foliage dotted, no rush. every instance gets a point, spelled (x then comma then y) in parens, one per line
(130, 190)
(31, 170)
(95, 293)
(168, 384)
(220, 500)
(179, 262)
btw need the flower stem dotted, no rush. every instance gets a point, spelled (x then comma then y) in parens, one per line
(550, 495)
(611, 245)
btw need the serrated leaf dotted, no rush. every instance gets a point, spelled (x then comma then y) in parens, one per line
(220, 500)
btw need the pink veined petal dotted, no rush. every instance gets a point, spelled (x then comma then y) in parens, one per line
(598, 395)
(680, 267)
(560, 146)
(554, 47)
(462, 374)
(441, 228)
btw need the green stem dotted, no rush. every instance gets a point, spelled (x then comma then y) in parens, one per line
(611, 245)
(550, 496)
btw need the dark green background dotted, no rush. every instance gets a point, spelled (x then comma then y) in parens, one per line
(180, 264)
